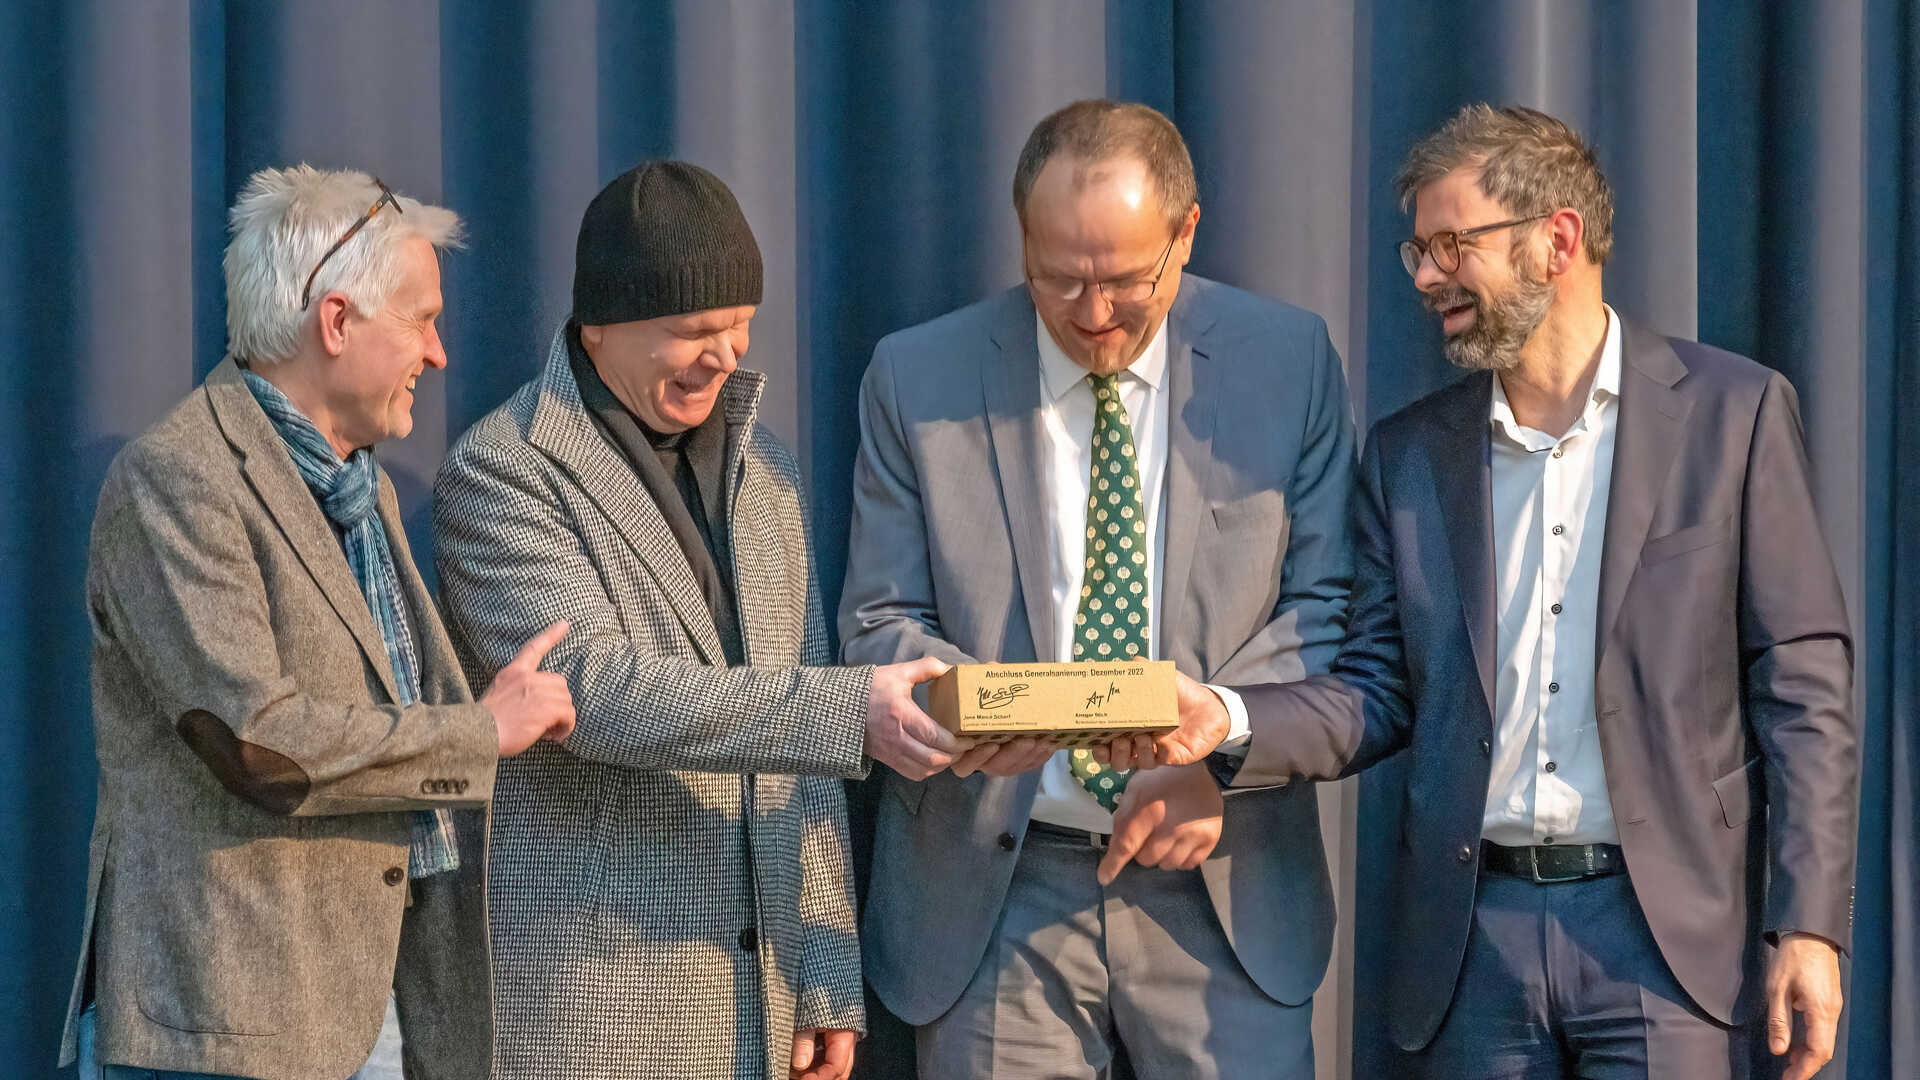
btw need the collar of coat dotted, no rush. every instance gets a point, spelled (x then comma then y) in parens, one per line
(562, 424)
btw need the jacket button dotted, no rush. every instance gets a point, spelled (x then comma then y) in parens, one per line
(749, 940)
(1466, 853)
(1486, 748)
(1007, 841)
(394, 875)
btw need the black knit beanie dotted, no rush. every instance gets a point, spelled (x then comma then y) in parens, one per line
(665, 238)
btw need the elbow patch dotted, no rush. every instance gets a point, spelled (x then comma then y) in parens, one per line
(261, 776)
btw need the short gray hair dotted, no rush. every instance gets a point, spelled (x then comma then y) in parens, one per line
(284, 221)
(1099, 130)
(1529, 162)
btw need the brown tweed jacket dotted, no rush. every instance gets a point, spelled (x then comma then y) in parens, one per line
(247, 900)
(671, 895)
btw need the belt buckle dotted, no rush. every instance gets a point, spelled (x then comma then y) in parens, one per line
(1533, 864)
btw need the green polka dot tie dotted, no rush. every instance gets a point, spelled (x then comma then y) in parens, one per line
(1111, 624)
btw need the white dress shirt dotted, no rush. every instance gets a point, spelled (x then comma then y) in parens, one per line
(1549, 784)
(1066, 447)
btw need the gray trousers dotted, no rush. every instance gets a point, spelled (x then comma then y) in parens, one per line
(1079, 977)
(1565, 980)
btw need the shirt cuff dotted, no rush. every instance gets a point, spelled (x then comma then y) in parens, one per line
(1239, 732)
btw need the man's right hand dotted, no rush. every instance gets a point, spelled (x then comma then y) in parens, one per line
(900, 735)
(529, 704)
(1204, 725)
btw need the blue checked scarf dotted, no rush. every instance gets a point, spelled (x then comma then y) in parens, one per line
(348, 492)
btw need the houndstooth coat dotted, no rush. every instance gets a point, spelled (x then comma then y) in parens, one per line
(671, 894)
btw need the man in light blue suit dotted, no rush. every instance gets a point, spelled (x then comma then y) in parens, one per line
(1115, 459)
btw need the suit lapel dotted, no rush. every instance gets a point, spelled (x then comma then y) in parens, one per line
(271, 473)
(1646, 447)
(1458, 453)
(563, 431)
(1010, 381)
(1192, 398)
(770, 580)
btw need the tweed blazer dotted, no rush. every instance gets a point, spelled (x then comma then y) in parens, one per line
(671, 892)
(247, 898)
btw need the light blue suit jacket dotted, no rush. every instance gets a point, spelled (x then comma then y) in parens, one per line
(948, 557)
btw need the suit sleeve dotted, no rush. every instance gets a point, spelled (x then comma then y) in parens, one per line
(511, 561)
(1310, 615)
(1331, 725)
(175, 586)
(887, 610)
(830, 992)
(1797, 654)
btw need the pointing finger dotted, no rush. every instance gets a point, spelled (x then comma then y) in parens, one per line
(537, 647)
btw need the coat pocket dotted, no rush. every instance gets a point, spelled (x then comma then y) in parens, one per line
(1740, 791)
(907, 791)
(1681, 541)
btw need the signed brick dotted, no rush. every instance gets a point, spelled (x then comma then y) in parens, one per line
(1065, 704)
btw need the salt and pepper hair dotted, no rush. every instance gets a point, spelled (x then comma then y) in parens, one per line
(1097, 131)
(284, 221)
(1529, 162)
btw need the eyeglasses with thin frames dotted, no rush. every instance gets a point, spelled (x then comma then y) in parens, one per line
(1445, 246)
(1129, 291)
(386, 199)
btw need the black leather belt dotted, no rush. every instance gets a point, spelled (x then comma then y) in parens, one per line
(1547, 864)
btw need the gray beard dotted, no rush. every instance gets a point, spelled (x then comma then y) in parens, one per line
(1501, 327)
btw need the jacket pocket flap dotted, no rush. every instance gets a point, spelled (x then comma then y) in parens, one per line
(1740, 791)
(1266, 509)
(1681, 541)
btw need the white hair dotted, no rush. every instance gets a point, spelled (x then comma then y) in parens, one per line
(284, 222)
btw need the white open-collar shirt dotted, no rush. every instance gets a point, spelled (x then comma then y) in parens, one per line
(1066, 450)
(1548, 784)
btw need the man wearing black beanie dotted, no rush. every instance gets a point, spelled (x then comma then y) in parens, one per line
(671, 892)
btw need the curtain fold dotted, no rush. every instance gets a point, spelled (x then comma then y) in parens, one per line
(1766, 159)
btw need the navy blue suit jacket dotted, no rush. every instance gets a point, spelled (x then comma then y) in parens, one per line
(1722, 690)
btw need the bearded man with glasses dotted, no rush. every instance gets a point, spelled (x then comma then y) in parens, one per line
(289, 847)
(1593, 598)
(1117, 459)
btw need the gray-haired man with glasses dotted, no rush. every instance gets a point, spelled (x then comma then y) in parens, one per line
(1116, 459)
(288, 842)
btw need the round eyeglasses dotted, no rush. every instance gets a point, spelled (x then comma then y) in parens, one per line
(1445, 246)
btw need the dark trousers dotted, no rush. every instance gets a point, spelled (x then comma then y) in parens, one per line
(1564, 980)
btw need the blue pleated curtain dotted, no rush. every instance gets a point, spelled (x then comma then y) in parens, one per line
(1767, 158)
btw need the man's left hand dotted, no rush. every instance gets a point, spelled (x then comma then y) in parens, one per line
(823, 1053)
(1010, 758)
(1168, 818)
(1804, 977)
